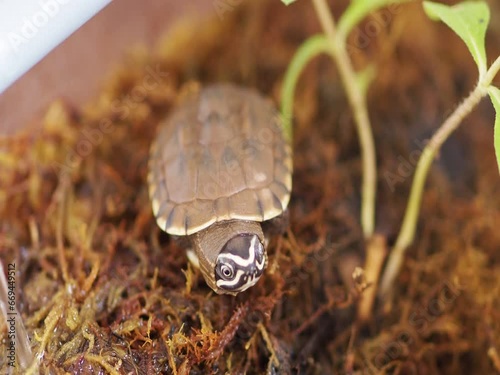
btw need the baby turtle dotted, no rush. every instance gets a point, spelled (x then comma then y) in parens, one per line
(220, 166)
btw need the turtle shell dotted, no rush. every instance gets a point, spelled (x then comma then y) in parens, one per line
(221, 155)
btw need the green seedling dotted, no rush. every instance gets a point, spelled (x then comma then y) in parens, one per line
(333, 42)
(469, 20)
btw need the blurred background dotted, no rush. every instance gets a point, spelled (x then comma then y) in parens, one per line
(75, 69)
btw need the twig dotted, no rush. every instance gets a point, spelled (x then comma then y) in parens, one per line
(375, 256)
(62, 192)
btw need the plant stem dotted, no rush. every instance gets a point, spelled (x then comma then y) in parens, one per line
(492, 72)
(407, 232)
(325, 18)
(307, 51)
(358, 105)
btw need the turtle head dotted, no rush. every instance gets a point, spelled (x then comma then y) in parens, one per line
(240, 263)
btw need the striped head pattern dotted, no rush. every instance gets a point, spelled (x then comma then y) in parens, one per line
(240, 263)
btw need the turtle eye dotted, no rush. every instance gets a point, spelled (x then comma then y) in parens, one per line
(226, 271)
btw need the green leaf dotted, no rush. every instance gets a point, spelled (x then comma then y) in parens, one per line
(469, 20)
(288, 2)
(495, 99)
(359, 9)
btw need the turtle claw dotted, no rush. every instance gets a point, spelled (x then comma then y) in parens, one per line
(193, 258)
(266, 241)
